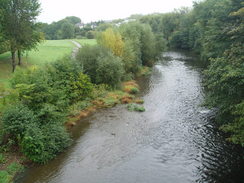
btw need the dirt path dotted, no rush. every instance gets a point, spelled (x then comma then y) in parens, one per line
(76, 49)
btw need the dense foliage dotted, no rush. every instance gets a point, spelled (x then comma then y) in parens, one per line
(18, 29)
(36, 121)
(214, 29)
(63, 29)
(68, 28)
(120, 53)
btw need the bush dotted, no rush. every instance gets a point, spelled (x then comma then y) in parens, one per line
(14, 167)
(42, 144)
(50, 113)
(16, 119)
(100, 90)
(66, 76)
(77, 107)
(33, 145)
(140, 42)
(87, 57)
(112, 40)
(110, 70)
(129, 58)
(135, 107)
(81, 88)
(56, 138)
(2, 158)
(5, 177)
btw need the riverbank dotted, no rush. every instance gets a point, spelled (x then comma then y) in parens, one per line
(172, 141)
(107, 99)
(104, 99)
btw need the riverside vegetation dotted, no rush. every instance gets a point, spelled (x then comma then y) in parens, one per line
(214, 30)
(42, 99)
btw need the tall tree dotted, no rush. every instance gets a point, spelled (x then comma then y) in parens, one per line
(112, 40)
(19, 25)
(67, 30)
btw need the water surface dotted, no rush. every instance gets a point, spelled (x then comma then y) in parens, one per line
(174, 141)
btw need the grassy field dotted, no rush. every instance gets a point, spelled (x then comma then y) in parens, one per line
(86, 41)
(48, 51)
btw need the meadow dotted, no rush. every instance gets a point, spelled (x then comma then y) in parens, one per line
(47, 51)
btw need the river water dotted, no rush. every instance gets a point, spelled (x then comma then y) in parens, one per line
(174, 141)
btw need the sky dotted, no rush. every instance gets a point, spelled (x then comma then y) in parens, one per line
(94, 10)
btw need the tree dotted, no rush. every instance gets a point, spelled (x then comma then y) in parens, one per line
(19, 26)
(3, 42)
(112, 40)
(67, 30)
(109, 70)
(73, 20)
(142, 41)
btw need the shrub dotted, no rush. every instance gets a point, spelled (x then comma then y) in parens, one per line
(56, 138)
(142, 42)
(81, 88)
(112, 40)
(131, 87)
(2, 158)
(129, 58)
(66, 76)
(32, 144)
(110, 70)
(87, 57)
(4, 177)
(14, 167)
(77, 107)
(50, 113)
(42, 144)
(35, 88)
(100, 90)
(135, 107)
(16, 119)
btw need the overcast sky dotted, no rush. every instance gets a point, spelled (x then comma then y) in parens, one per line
(93, 10)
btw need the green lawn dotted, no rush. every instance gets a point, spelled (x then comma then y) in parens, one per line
(48, 51)
(86, 41)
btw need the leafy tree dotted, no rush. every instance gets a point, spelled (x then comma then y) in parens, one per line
(225, 79)
(73, 20)
(63, 29)
(148, 46)
(142, 41)
(67, 30)
(89, 35)
(110, 70)
(112, 40)
(16, 119)
(19, 25)
(87, 57)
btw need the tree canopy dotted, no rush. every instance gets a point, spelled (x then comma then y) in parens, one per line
(19, 25)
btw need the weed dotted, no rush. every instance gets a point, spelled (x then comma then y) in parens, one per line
(5, 177)
(135, 107)
(2, 158)
(14, 167)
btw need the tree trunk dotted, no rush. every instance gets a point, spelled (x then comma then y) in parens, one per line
(19, 57)
(13, 60)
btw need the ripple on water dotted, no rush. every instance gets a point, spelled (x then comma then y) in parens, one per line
(174, 141)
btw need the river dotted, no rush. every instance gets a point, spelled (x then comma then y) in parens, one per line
(174, 141)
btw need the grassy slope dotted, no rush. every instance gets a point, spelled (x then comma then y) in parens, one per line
(46, 52)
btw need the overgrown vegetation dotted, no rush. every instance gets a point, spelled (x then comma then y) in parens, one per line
(7, 175)
(135, 107)
(42, 98)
